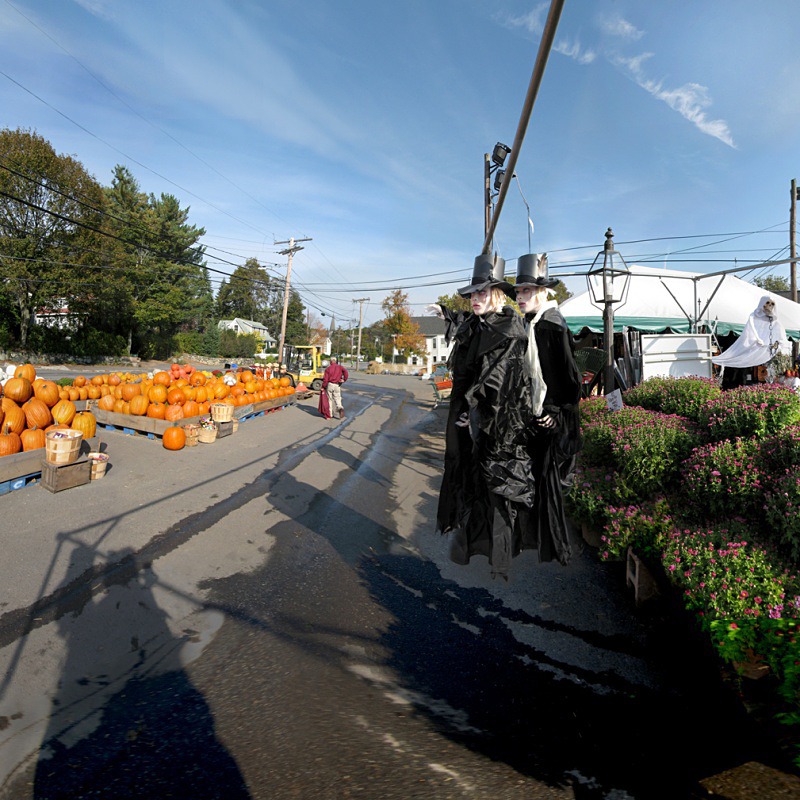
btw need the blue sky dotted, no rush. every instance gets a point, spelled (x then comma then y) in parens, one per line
(363, 125)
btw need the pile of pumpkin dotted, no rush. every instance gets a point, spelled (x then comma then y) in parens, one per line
(31, 406)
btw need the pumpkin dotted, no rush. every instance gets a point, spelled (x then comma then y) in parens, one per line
(130, 390)
(79, 381)
(26, 371)
(174, 438)
(86, 423)
(63, 411)
(176, 396)
(32, 439)
(197, 379)
(37, 413)
(139, 405)
(15, 416)
(120, 406)
(74, 393)
(10, 442)
(18, 389)
(162, 378)
(97, 380)
(46, 391)
(191, 408)
(114, 379)
(156, 410)
(2, 416)
(93, 392)
(174, 412)
(106, 402)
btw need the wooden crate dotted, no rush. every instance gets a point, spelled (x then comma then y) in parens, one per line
(224, 429)
(57, 477)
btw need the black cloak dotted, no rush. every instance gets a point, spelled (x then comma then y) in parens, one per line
(488, 467)
(553, 451)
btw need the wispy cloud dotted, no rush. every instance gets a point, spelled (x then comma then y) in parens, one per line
(690, 100)
(100, 8)
(617, 26)
(575, 51)
(533, 23)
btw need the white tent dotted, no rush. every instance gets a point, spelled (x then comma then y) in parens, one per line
(665, 300)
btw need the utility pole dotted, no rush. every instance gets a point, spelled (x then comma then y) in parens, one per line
(289, 251)
(793, 266)
(360, 302)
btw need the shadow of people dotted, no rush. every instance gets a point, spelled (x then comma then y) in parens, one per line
(126, 721)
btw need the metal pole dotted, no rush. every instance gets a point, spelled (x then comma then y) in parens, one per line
(487, 194)
(609, 380)
(548, 35)
(793, 269)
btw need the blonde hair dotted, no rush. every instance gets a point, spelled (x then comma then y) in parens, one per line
(497, 300)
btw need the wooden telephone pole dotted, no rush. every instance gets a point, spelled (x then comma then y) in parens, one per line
(289, 251)
(360, 302)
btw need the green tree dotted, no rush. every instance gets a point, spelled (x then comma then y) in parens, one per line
(248, 293)
(160, 283)
(49, 224)
(398, 324)
(773, 283)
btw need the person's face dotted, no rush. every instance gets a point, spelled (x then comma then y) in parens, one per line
(480, 301)
(769, 307)
(525, 298)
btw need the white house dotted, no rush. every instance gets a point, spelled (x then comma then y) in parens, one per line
(244, 326)
(437, 350)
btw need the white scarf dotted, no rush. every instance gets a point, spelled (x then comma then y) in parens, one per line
(538, 386)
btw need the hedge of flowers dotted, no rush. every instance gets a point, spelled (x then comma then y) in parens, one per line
(706, 484)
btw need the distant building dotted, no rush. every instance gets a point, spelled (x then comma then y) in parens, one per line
(57, 315)
(437, 351)
(245, 326)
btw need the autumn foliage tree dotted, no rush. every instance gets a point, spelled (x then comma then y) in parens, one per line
(398, 324)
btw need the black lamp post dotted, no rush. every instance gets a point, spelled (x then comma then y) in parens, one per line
(608, 281)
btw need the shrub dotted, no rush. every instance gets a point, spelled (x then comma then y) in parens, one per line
(683, 396)
(648, 453)
(602, 430)
(646, 527)
(750, 411)
(782, 513)
(781, 451)
(591, 408)
(723, 480)
(595, 491)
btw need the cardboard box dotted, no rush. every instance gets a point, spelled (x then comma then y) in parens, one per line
(56, 477)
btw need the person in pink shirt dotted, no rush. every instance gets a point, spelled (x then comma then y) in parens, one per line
(332, 379)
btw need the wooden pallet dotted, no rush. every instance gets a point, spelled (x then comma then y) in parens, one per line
(22, 469)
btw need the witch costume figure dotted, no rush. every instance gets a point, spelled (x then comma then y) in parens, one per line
(488, 474)
(555, 393)
(763, 336)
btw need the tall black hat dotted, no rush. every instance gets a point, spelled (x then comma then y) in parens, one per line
(532, 271)
(489, 272)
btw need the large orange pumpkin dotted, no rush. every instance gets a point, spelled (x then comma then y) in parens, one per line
(157, 393)
(176, 397)
(37, 413)
(14, 416)
(26, 371)
(106, 402)
(10, 442)
(174, 412)
(86, 423)
(156, 410)
(93, 392)
(80, 380)
(18, 389)
(63, 411)
(97, 380)
(139, 405)
(191, 408)
(162, 378)
(32, 439)
(198, 379)
(174, 438)
(46, 391)
(130, 390)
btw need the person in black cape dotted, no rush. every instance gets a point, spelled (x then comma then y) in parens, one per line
(555, 393)
(488, 474)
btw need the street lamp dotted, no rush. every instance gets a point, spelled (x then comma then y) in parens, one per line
(608, 283)
(491, 165)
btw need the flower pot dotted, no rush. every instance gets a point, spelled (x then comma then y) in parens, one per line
(638, 576)
(591, 535)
